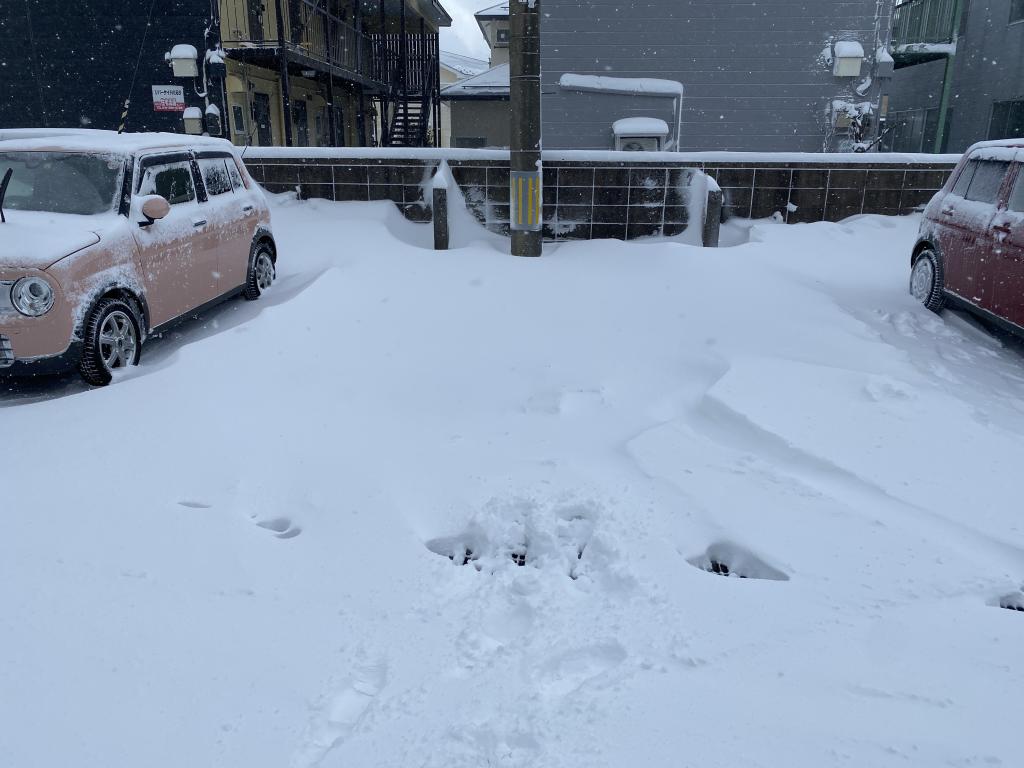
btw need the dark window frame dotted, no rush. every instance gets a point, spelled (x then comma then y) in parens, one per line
(1016, 12)
(1007, 120)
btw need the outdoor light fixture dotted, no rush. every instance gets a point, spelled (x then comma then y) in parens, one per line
(213, 121)
(849, 55)
(193, 117)
(216, 67)
(183, 60)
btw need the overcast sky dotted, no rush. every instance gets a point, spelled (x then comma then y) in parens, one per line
(464, 35)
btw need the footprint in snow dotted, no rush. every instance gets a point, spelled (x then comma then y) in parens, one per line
(281, 527)
(569, 671)
(342, 712)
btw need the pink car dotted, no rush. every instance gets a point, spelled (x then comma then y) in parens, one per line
(108, 239)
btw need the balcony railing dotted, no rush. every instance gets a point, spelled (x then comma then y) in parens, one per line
(309, 30)
(420, 62)
(923, 23)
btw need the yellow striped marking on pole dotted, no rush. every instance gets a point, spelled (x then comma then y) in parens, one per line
(520, 201)
(526, 204)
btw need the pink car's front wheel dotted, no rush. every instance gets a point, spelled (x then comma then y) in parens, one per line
(112, 340)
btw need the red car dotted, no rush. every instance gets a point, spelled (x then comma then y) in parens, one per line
(970, 249)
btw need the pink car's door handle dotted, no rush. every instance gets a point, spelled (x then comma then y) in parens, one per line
(199, 223)
(1001, 228)
(248, 208)
(947, 211)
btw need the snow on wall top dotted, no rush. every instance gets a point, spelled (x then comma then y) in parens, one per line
(87, 140)
(849, 49)
(638, 86)
(640, 126)
(882, 56)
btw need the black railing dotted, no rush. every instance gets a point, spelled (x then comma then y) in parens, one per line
(419, 65)
(327, 38)
(311, 30)
(917, 22)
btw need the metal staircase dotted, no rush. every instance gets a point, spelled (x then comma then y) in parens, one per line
(410, 106)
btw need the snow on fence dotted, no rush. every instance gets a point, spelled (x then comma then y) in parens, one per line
(623, 195)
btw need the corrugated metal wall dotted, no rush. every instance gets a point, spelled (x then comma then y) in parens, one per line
(752, 70)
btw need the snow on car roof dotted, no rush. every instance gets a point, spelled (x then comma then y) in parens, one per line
(997, 143)
(87, 140)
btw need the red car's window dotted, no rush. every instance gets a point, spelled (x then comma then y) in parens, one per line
(1016, 202)
(964, 179)
(988, 178)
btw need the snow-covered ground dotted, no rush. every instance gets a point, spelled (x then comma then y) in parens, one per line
(248, 551)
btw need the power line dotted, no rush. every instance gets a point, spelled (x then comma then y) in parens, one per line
(138, 63)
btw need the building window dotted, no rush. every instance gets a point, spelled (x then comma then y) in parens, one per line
(238, 119)
(914, 130)
(502, 36)
(1016, 11)
(1007, 120)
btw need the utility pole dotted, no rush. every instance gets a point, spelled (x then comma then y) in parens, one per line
(527, 194)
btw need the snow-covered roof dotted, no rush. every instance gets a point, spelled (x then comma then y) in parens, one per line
(849, 49)
(87, 140)
(640, 126)
(494, 12)
(463, 65)
(638, 86)
(494, 83)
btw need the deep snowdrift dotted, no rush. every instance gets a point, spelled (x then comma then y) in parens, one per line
(249, 551)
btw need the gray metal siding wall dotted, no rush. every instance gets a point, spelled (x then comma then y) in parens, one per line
(989, 68)
(488, 120)
(752, 70)
(917, 87)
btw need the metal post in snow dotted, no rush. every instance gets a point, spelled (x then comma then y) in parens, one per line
(527, 194)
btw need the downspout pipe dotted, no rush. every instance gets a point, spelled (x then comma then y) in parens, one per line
(947, 80)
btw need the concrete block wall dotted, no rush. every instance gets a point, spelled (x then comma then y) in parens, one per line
(615, 195)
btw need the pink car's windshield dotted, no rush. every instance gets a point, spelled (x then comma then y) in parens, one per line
(59, 182)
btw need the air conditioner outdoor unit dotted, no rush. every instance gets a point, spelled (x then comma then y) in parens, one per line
(640, 134)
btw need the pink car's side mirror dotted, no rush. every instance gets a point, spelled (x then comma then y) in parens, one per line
(154, 207)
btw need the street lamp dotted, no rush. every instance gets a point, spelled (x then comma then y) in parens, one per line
(193, 117)
(182, 59)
